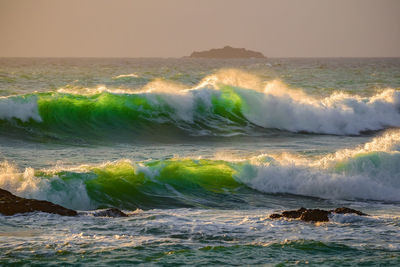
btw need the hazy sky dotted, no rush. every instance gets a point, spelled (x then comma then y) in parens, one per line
(174, 28)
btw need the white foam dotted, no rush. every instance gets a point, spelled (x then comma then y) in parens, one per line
(318, 183)
(341, 114)
(130, 75)
(71, 194)
(94, 90)
(231, 77)
(274, 105)
(351, 218)
(23, 108)
(371, 172)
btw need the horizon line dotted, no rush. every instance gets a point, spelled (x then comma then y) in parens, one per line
(185, 57)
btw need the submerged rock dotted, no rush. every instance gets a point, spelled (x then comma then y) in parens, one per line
(344, 210)
(314, 215)
(11, 204)
(112, 212)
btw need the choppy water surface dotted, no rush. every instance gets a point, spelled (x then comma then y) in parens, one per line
(200, 152)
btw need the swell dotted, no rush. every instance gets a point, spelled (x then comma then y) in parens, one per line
(215, 107)
(370, 172)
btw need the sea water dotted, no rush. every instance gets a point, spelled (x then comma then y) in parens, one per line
(200, 153)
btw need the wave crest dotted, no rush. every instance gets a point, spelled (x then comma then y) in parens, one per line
(369, 172)
(224, 104)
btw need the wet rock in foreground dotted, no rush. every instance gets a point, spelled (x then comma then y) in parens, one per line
(11, 204)
(314, 215)
(293, 214)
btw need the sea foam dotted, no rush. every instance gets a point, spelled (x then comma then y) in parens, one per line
(371, 171)
(19, 107)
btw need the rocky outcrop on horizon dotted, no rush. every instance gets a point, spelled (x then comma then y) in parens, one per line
(227, 52)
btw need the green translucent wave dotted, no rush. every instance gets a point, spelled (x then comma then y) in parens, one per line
(216, 183)
(156, 184)
(205, 112)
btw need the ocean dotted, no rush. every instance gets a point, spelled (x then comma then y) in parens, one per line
(199, 153)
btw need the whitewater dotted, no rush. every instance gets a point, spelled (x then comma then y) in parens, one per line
(199, 153)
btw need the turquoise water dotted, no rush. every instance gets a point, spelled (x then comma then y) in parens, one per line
(200, 152)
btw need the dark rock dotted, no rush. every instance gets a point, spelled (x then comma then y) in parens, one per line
(11, 204)
(315, 215)
(293, 214)
(275, 216)
(344, 210)
(227, 52)
(112, 212)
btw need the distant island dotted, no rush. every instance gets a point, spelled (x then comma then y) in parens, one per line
(227, 52)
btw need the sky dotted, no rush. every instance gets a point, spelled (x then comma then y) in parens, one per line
(175, 28)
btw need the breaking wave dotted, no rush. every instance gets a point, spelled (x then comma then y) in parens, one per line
(369, 172)
(224, 104)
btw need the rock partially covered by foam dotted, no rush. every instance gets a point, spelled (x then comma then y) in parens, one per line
(112, 212)
(344, 210)
(314, 215)
(11, 204)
